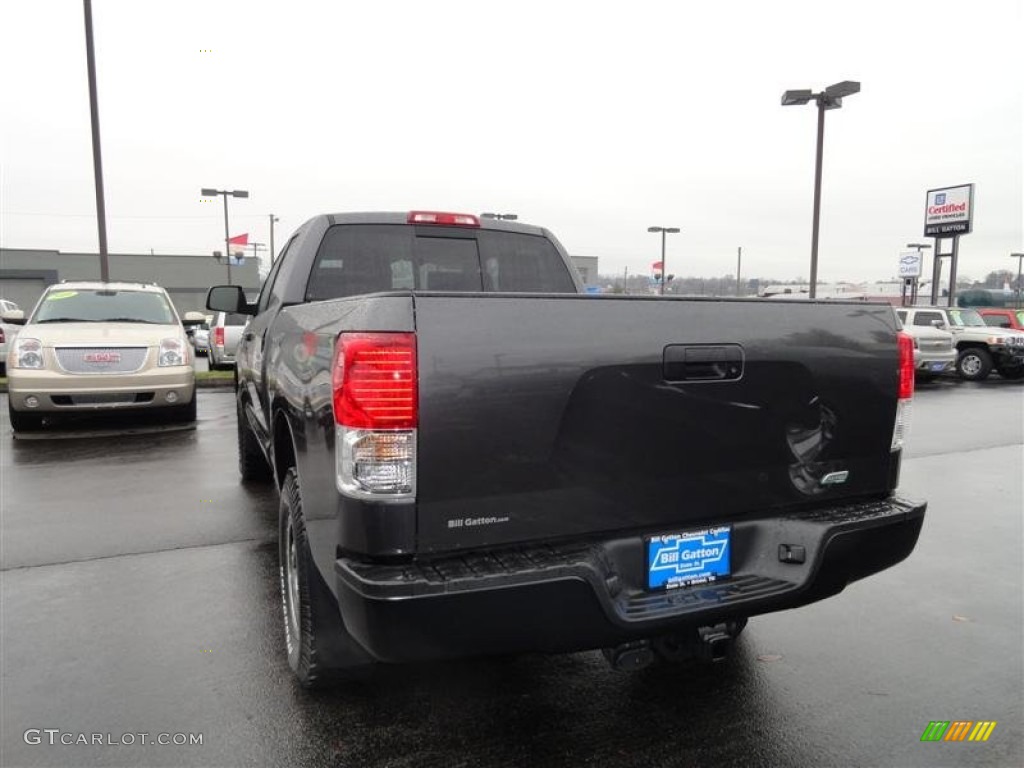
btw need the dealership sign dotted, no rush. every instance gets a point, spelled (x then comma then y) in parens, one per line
(910, 264)
(947, 211)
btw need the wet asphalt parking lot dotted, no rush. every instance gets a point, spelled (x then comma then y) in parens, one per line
(140, 595)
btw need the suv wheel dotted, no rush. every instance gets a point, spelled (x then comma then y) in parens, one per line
(974, 364)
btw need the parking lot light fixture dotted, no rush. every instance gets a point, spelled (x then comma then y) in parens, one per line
(225, 193)
(664, 231)
(830, 98)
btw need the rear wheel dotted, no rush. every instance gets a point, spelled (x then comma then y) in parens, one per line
(252, 464)
(319, 648)
(24, 422)
(974, 364)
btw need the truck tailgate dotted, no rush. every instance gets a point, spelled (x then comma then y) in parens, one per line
(548, 416)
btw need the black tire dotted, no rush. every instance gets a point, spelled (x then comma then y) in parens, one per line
(1012, 372)
(184, 414)
(252, 464)
(319, 648)
(974, 364)
(24, 422)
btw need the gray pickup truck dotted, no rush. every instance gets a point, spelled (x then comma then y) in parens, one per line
(474, 458)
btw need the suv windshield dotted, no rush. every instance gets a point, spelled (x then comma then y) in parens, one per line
(966, 317)
(104, 306)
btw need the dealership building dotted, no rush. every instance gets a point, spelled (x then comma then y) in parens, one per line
(26, 273)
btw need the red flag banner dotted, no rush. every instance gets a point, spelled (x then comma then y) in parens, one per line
(237, 243)
(657, 266)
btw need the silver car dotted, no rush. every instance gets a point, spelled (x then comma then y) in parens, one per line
(199, 337)
(7, 330)
(225, 334)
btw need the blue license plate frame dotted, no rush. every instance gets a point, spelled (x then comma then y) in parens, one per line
(688, 558)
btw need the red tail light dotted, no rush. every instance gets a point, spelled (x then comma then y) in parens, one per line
(374, 378)
(218, 337)
(437, 217)
(906, 347)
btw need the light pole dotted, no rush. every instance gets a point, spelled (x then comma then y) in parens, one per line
(97, 158)
(830, 98)
(913, 285)
(1020, 259)
(664, 231)
(505, 216)
(273, 219)
(226, 193)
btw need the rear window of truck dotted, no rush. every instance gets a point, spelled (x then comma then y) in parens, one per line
(366, 258)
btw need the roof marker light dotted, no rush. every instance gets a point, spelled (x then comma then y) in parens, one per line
(440, 218)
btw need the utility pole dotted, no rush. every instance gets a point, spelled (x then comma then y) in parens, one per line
(1020, 260)
(739, 264)
(273, 253)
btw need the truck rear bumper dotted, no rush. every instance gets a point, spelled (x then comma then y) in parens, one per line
(583, 595)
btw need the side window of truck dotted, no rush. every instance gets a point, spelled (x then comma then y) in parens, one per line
(926, 318)
(997, 321)
(269, 295)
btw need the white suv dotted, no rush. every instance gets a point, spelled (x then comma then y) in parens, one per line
(93, 346)
(980, 349)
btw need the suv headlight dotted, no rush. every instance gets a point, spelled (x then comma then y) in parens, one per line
(172, 352)
(28, 353)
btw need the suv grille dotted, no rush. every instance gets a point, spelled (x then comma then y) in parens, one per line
(101, 359)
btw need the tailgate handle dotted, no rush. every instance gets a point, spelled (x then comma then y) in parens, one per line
(703, 362)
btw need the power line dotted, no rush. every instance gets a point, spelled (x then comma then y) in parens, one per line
(142, 218)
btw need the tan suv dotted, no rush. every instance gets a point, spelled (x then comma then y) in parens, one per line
(92, 346)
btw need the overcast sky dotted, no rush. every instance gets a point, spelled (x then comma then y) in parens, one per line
(593, 119)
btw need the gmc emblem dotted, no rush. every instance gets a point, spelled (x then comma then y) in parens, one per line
(102, 357)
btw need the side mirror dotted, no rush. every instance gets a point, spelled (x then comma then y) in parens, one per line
(193, 319)
(938, 324)
(13, 317)
(229, 298)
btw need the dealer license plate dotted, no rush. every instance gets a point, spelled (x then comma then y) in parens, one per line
(684, 559)
(938, 366)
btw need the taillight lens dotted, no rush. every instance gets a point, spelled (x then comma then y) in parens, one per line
(218, 337)
(905, 390)
(906, 347)
(376, 413)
